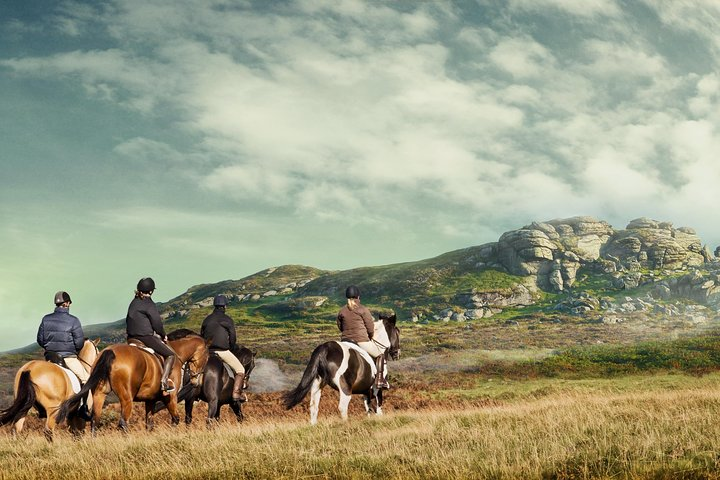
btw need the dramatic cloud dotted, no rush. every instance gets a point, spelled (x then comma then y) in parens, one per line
(447, 123)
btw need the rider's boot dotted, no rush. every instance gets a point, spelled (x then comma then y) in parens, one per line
(380, 381)
(167, 368)
(237, 394)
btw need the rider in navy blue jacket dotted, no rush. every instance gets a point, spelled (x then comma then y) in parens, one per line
(59, 331)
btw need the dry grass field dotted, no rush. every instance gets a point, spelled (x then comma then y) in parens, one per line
(648, 426)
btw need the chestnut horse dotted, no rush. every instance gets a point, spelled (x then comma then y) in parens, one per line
(44, 385)
(346, 368)
(134, 375)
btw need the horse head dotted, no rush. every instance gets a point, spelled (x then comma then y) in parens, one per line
(89, 352)
(193, 349)
(389, 321)
(247, 358)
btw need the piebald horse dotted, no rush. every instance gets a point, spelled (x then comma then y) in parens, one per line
(342, 366)
(134, 375)
(45, 385)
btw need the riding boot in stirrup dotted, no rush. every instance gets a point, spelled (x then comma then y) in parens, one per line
(237, 393)
(380, 381)
(167, 368)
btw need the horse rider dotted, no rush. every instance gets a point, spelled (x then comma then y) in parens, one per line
(61, 335)
(219, 329)
(356, 324)
(143, 323)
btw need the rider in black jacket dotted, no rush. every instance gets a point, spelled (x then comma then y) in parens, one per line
(219, 328)
(143, 323)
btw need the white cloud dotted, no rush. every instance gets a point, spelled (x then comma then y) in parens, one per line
(697, 17)
(615, 61)
(521, 57)
(290, 103)
(580, 8)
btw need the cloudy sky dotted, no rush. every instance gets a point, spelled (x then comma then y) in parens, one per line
(201, 141)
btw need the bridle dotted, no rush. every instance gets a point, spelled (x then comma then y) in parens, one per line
(388, 349)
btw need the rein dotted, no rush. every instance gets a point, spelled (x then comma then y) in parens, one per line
(97, 351)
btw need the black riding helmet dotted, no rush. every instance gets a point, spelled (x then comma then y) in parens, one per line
(352, 292)
(62, 297)
(146, 285)
(220, 301)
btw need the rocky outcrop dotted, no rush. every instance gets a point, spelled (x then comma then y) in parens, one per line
(553, 251)
(655, 245)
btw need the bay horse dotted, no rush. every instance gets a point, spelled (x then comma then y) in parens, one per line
(134, 375)
(45, 385)
(216, 386)
(344, 368)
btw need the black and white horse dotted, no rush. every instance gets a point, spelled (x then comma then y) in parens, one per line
(346, 368)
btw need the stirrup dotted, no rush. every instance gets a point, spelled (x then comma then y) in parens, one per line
(168, 388)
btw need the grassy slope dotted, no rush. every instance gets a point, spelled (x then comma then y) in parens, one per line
(634, 427)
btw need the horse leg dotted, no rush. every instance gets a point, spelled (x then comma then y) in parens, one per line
(344, 403)
(237, 409)
(18, 426)
(149, 425)
(367, 400)
(50, 423)
(315, 393)
(378, 402)
(98, 402)
(189, 403)
(213, 408)
(172, 407)
(126, 404)
(77, 427)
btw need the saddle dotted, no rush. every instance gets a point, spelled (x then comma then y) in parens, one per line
(139, 344)
(54, 357)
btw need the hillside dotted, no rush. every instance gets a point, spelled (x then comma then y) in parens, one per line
(548, 286)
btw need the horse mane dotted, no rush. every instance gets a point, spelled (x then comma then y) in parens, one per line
(180, 333)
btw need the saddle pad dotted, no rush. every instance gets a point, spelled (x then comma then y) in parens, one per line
(143, 347)
(74, 380)
(365, 355)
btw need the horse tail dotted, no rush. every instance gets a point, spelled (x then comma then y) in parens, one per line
(316, 367)
(24, 400)
(100, 372)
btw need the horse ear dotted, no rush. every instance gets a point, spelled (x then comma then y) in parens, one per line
(392, 319)
(96, 341)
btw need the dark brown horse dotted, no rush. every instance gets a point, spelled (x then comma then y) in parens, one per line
(134, 375)
(44, 385)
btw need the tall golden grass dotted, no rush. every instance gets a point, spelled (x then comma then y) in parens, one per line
(667, 434)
